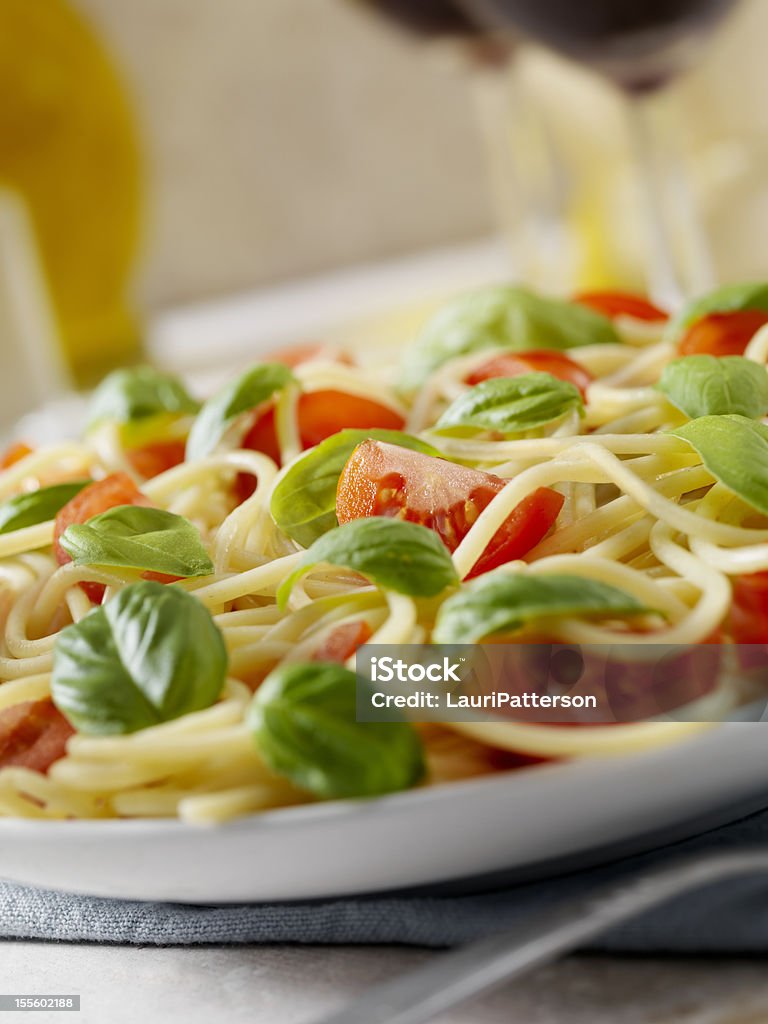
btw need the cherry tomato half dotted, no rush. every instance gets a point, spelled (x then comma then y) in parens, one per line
(513, 364)
(385, 480)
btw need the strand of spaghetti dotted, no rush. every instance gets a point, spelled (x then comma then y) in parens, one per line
(27, 539)
(699, 624)
(287, 423)
(317, 376)
(592, 741)
(644, 368)
(399, 625)
(443, 380)
(16, 691)
(268, 615)
(626, 542)
(161, 487)
(647, 591)
(51, 594)
(263, 580)
(663, 508)
(720, 503)
(58, 801)
(210, 809)
(757, 349)
(16, 640)
(64, 457)
(593, 466)
(531, 449)
(104, 439)
(608, 403)
(172, 753)
(238, 524)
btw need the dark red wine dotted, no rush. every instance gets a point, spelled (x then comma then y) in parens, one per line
(428, 17)
(634, 41)
(589, 27)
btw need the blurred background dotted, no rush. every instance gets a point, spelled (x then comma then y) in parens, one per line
(177, 163)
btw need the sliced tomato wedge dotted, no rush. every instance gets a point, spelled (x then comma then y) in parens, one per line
(100, 496)
(295, 355)
(153, 459)
(385, 480)
(722, 334)
(320, 415)
(33, 735)
(615, 304)
(514, 364)
(749, 612)
(15, 453)
(342, 642)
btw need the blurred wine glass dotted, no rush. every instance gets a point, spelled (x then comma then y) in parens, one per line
(639, 46)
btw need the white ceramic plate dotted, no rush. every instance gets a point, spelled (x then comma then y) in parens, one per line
(519, 821)
(522, 822)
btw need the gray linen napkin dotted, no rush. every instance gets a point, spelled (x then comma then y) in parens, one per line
(731, 917)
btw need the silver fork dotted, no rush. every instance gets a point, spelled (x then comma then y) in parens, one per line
(457, 977)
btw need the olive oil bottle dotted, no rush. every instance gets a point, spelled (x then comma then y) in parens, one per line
(69, 150)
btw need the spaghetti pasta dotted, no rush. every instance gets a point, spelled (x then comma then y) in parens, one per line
(633, 506)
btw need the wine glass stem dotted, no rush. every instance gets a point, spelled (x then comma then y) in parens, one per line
(678, 259)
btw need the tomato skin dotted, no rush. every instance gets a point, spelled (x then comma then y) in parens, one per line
(342, 642)
(615, 304)
(15, 453)
(320, 414)
(722, 334)
(153, 459)
(749, 611)
(384, 480)
(513, 364)
(323, 413)
(100, 496)
(33, 735)
(528, 523)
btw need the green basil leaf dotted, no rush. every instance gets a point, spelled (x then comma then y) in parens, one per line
(510, 405)
(255, 386)
(134, 537)
(393, 554)
(37, 506)
(510, 318)
(505, 602)
(129, 395)
(303, 502)
(735, 451)
(712, 386)
(150, 655)
(730, 298)
(303, 721)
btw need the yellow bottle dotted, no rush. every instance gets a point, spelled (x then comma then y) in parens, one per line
(69, 148)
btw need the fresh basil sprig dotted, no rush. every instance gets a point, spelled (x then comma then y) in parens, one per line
(735, 451)
(711, 386)
(303, 721)
(510, 318)
(126, 396)
(730, 298)
(511, 405)
(149, 655)
(505, 602)
(37, 506)
(303, 502)
(255, 386)
(396, 555)
(135, 537)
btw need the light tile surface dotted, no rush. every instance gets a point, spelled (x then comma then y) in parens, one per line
(295, 985)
